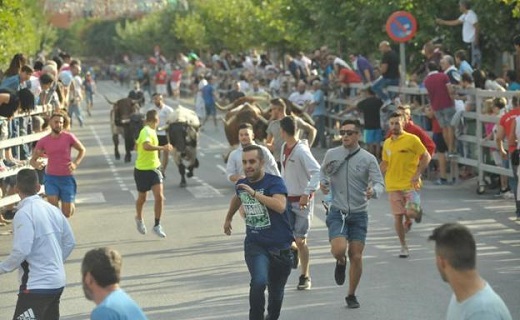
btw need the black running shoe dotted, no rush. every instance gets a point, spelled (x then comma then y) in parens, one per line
(304, 283)
(352, 302)
(339, 272)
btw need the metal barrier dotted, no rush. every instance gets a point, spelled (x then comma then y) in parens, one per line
(8, 143)
(475, 139)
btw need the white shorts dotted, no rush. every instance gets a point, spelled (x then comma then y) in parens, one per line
(161, 89)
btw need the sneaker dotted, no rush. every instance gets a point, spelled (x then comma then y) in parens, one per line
(304, 283)
(407, 224)
(159, 231)
(140, 226)
(508, 195)
(352, 302)
(295, 259)
(418, 218)
(404, 252)
(339, 272)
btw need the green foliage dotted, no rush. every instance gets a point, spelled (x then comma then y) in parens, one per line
(354, 26)
(22, 29)
(514, 5)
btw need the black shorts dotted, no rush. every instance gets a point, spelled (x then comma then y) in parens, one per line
(146, 179)
(38, 306)
(440, 144)
(163, 140)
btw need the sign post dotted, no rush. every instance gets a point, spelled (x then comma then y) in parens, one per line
(401, 27)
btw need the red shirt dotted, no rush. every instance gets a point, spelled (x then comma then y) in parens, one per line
(438, 93)
(506, 122)
(347, 76)
(414, 129)
(176, 75)
(161, 77)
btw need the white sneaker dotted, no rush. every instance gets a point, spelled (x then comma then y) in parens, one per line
(140, 226)
(404, 252)
(508, 195)
(159, 231)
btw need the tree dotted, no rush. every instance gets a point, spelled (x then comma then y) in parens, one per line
(23, 28)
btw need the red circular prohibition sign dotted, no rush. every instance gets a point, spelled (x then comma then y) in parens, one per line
(401, 26)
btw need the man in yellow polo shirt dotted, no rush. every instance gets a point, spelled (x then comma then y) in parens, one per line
(404, 158)
(147, 174)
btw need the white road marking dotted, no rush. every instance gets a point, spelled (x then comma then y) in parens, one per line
(108, 158)
(89, 198)
(452, 210)
(221, 168)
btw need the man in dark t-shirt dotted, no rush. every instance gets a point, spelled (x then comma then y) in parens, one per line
(372, 132)
(389, 72)
(263, 198)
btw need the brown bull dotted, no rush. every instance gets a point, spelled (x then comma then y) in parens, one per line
(125, 120)
(244, 110)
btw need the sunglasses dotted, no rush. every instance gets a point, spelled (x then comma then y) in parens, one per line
(347, 132)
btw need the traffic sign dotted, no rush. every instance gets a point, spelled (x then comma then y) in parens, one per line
(401, 26)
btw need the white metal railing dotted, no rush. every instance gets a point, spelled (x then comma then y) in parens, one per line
(8, 143)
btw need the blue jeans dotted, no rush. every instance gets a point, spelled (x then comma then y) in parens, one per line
(380, 84)
(74, 109)
(267, 269)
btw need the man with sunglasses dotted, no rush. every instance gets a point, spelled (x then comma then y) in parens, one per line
(352, 175)
(268, 233)
(404, 159)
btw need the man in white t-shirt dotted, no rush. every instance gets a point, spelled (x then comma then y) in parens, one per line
(301, 96)
(470, 30)
(473, 298)
(164, 112)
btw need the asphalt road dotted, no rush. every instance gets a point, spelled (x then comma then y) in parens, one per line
(199, 273)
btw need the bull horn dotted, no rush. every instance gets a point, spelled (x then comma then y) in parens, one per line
(230, 120)
(225, 108)
(110, 102)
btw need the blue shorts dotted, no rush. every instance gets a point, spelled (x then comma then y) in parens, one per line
(353, 226)
(211, 110)
(64, 187)
(371, 136)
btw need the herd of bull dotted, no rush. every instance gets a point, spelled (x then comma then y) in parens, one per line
(183, 127)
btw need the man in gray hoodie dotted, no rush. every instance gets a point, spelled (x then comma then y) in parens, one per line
(301, 173)
(352, 175)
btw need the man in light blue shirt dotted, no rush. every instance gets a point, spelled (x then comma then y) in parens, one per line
(473, 298)
(101, 273)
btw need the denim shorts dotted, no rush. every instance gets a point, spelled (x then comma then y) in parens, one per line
(444, 116)
(64, 187)
(300, 219)
(352, 226)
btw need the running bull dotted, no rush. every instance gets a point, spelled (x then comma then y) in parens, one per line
(125, 120)
(183, 132)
